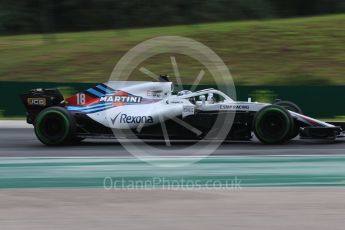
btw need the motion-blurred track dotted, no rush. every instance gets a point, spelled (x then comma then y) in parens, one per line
(294, 191)
(22, 142)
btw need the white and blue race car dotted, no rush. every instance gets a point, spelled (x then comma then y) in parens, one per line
(141, 109)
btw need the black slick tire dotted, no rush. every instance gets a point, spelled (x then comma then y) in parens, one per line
(273, 125)
(54, 126)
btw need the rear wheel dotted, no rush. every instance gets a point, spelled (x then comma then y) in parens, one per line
(273, 125)
(54, 126)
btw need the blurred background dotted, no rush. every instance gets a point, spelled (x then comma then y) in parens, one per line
(288, 49)
(267, 44)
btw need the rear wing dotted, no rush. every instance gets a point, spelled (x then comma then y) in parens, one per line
(38, 99)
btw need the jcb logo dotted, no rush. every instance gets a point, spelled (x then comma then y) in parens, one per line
(37, 101)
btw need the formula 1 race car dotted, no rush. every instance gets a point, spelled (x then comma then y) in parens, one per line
(143, 108)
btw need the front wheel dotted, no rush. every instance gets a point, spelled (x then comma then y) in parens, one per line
(273, 125)
(54, 126)
(289, 106)
(294, 108)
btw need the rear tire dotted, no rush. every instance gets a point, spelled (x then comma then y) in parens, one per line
(54, 126)
(273, 125)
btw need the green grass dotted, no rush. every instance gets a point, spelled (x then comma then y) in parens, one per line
(337, 118)
(288, 51)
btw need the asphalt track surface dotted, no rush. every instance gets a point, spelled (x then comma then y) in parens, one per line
(299, 185)
(26, 163)
(22, 142)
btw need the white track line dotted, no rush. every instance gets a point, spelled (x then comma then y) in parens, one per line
(14, 124)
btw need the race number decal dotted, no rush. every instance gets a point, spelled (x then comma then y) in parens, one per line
(187, 110)
(80, 98)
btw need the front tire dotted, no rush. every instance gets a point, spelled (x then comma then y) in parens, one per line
(294, 108)
(273, 125)
(289, 106)
(54, 126)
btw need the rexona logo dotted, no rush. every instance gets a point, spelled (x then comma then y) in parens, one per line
(124, 118)
(127, 99)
